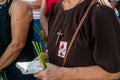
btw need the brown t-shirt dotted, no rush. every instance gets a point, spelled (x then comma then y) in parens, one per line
(97, 42)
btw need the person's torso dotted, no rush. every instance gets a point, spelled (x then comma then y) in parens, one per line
(81, 48)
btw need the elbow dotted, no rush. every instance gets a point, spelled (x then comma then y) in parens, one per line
(17, 45)
(20, 46)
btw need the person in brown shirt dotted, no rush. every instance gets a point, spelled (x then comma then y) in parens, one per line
(95, 53)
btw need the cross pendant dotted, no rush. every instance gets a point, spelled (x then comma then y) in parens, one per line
(58, 37)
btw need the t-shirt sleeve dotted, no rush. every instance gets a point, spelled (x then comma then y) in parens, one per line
(106, 37)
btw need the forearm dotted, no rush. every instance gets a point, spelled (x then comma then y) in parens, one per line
(44, 23)
(43, 18)
(88, 73)
(10, 54)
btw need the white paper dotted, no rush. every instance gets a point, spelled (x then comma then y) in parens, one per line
(29, 67)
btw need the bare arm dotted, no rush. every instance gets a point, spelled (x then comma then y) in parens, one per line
(43, 18)
(88, 73)
(21, 16)
(40, 4)
(77, 73)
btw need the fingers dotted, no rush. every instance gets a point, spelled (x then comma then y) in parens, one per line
(37, 58)
(45, 57)
(52, 72)
(38, 75)
(41, 75)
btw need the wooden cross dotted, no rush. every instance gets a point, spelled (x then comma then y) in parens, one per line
(58, 37)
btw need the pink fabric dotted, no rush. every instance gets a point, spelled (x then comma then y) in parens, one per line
(49, 3)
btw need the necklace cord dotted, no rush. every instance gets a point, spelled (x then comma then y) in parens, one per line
(77, 30)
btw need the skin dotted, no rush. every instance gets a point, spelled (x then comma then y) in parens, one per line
(95, 72)
(43, 20)
(114, 4)
(54, 72)
(21, 17)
